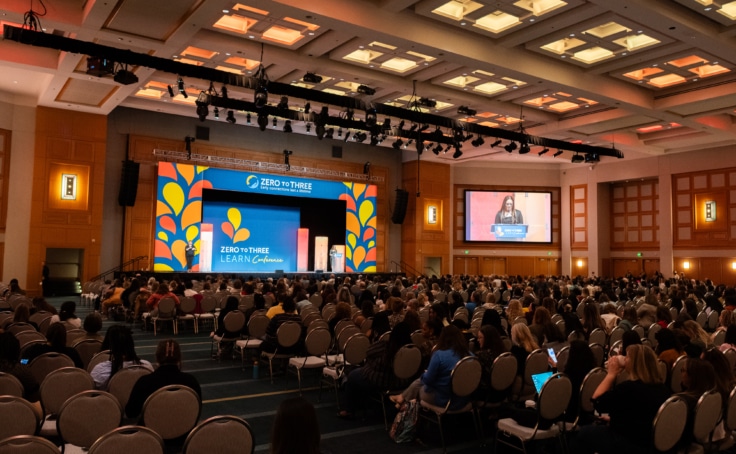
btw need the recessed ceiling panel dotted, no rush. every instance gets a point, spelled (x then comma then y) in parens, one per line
(614, 125)
(153, 20)
(86, 92)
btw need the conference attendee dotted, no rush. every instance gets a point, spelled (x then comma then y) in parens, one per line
(168, 372)
(119, 340)
(41, 305)
(296, 428)
(56, 343)
(189, 252)
(161, 292)
(631, 406)
(508, 214)
(10, 364)
(113, 297)
(289, 314)
(92, 326)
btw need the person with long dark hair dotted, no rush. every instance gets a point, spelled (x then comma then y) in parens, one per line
(296, 428)
(119, 340)
(508, 214)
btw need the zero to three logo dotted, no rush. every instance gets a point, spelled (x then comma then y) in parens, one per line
(251, 181)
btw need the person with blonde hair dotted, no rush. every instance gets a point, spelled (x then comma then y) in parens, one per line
(514, 310)
(523, 342)
(631, 406)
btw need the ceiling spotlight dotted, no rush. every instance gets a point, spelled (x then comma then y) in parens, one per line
(283, 104)
(401, 125)
(366, 90)
(287, 126)
(457, 152)
(125, 77)
(419, 145)
(247, 118)
(413, 127)
(360, 136)
(436, 150)
(261, 96)
(397, 144)
(312, 78)
(339, 132)
(171, 91)
(367, 168)
(217, 113)
(180, 87)
(465, 110)
(447, 148)
(408, 143)
(478, 142)
(308, 126)
(592, 157)
(370, 117)
(287, 153)
(374, 140)
(202, 112)
(223, 92)
(347, 135)
(424, 127)
(557, 153)
(510, 147)
(577, 158)
(545, 150)
(262, 121)
(275, 122)
(231, 117)
(426, 102)
(524, 148)
(330, 133)
(496, 143)
(386, 124)
(307, 108)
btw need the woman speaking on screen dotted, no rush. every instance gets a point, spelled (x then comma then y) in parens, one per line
(508, 214)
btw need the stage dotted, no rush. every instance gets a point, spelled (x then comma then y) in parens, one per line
(250, 276)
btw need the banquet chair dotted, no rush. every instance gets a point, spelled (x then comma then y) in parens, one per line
(317, 343)
(287, 336)
(186, 309)
(352, 355)
(166, 313)
(503, 373)
(221, 435)
(257, 326)
(234, 322)
(536, 363)
(87, 349)
(706, 417)
(121, 384)
(127, 440)
(10, 385)
(669, 424)
(406, 364)
(100, 357)
(58, 386)
(172, 411)
(85, 417)
(676, 374)
(45, 363)
(208, 305)
(27, 444)
(17, 417)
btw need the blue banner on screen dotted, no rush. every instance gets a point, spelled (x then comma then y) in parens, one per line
(264, 239)
(507, 216)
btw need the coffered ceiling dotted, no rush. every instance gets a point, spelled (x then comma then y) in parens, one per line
(646, 76)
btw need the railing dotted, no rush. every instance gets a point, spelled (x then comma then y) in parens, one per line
(404, 267)
(130, 265)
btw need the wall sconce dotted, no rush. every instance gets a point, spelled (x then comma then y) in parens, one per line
(686, 265)
(580, 263)
(710, 211)
(432, 214)
(733, 265)
(68, 186)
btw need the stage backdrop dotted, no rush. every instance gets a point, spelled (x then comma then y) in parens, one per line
(248, 237)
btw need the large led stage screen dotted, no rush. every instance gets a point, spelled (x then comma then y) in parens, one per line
(508, 216)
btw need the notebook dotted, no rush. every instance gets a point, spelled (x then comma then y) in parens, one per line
(540, 379)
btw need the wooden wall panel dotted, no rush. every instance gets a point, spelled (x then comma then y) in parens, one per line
(520, 265)
(579, 217)
(5, 146)
(635, 215)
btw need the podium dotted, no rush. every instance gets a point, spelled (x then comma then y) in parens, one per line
(337, 258)
(509, 231)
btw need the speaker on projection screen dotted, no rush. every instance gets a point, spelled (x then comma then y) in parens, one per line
(402, 199)
(128, 183)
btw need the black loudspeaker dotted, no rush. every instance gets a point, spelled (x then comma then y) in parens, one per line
(128, 184)
(402, 199)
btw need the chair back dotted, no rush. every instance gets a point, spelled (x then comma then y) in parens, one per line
(503, 371)
(639, 330)
(407, 362)
(317, 323)
(521, 320)
(676, 374)
(465, 376)
(731, 357)
(221, 434)
(17, 417)
(73, 335)
(385, 336)
(417, 337)
(597, 336)
(702, 319)
(309, 317)
(318, 341)
(342, 324)
(328, 310)
(234, 322)
(652, 333)
(187, 304)
(316, 300)
(729, 415)
(208, 303)
(554, 397)
(123, 381)
(17, 327)
(257, 326)
(344, 335)
(536, 363)
(87, 416)
(27, 444)
(43, 364)
(588, 387)
(62, 384)
(100, 357)
(598, 353)
(166, 308)
(719, 338)
(288, 334)
(707, 414)
(127, 439)
(712, 323)
(87, 349)
(42, 319)
(367, 325)
(246, 302)
(29, 337)
(10, 386)
(669, 423)
(356, 348)
(562, 357)
(172, 411)
(616, 334)
(575, 335)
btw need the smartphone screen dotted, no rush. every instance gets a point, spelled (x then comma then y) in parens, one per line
(551, 353)
(24, 361)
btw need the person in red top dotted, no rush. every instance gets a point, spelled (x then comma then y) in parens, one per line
(161, 293)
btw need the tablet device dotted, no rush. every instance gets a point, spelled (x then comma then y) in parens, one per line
(540, 379)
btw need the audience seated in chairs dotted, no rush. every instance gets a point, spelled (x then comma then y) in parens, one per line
(288, 314)
(40, 304)
(698, 376)
(92, 326)
(10, 364)
(522, 343)
(296, 428)
(160, 293)
(378, 371)
(56, 337)
(631, 406)
(168, 357)
(67, 315)
(489, 346)
(434, 385)
(119, 340)
(113, 297)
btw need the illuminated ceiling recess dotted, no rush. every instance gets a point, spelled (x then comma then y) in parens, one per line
(498, 17)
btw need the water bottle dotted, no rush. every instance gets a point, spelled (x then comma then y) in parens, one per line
(255, 370)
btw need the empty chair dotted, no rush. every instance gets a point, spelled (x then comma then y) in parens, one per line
(127, 440)
(207, 305)
(85, 417)
(353, 355)
(233, 324)
(257, 326)
(676, 374)
(186, 309)
(669, 424)
(172, 412)
(27, 444)
(45, 363)
(598, 354)
(616, 335)
(17, 327)
(316, 343)
(707, 415)
(87, 349)
(406, 364)
(287, 336)
(166, 313)
(58, 386)
(221, 435)
(123, 381)
(17, 417)
(587, 388)
(597, 336)
(10, 386)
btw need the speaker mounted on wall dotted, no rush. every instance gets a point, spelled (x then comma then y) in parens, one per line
(402, 199)
(128, 183)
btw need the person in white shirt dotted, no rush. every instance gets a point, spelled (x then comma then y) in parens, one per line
(119, 340)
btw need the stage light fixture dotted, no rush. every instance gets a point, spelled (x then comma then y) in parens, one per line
(577, 158)
(312, 78)
(457, 152)
(465, 110)
(171, 91)
(202, 112)
(386, 124)
(180, 87)
(436, 150)
(217, 113)
(339, 132)
(397, 144)
(510, 147)
(287, 153)
(545, 150)
(308, 127)
(262, 121)
(557, 153)
(366, 90)
(426, 102)
(374, 140)
(247, 118)
(496, 143)
(307, 107)
(419, 145)
(592, 157)
(478, 142)
(447, 148)
(97, 66)
(320, 130)
(408, 143)
(401, 125)
(360, 137)
(223, 92)
(524, 148)
(275, 122)
(125, 77)
(370, 117)
(330, 133)
(287, 126)
(367, 168)
(437, 135)
(283, 103)
(347, 135)
(231, 117)
(424, 127)
(413, 127)
(349, 114)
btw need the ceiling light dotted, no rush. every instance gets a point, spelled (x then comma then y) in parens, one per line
(287, 126)
(275, 122)
(330, 133)
(457, 152)
(524, 148)
(543, 151)
(125, 77)
(171, 91)
(231, 117)
(180, 87)
(478, 142)
(247, 118)
(312, 78)
(557, 153)
(397, 144)
(496, 143)
(465, 110)
(510, 147)
(366, 90)
(577, 158)
(436, 150)
(217, 113)
(283, 104)
(262, 121)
